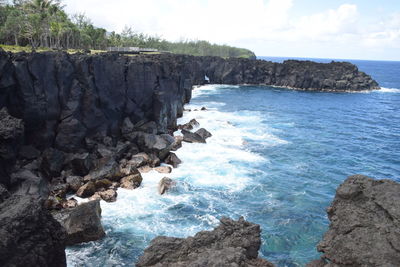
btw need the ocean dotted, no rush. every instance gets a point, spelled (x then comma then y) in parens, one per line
(276, 157)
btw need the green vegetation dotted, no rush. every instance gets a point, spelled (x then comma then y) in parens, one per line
(43, 24)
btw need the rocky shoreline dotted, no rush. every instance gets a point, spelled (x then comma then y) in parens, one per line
(87, 125)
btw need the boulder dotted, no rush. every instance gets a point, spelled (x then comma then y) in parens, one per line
(109, 195)
(163, 169)
(139, 160)
(177, 143)
(70, 203)
(86, 190)
(102, 184)
(145, 169)
(232, 243)
(82, 223)
(189, 125)
(365, 223)
(190, 137)
(154, 144)
(107, 168)
(165, 184)
(132, 181)
(203, 133)
(173, 160)
(29, 234)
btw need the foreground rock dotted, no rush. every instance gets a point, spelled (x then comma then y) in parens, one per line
(82, 223)
(232, 243)
(365, 224)
(29, 234)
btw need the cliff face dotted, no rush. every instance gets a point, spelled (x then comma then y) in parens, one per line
(63, 98)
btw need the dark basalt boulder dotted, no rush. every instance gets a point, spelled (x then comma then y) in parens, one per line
(190, 137)
(189, 125)
(365, 223)
(11, 135)
(203, 133)
(232, 243)
(157, 144)
(82, 223)
(29, 234)
(107, 168)
(173, 160)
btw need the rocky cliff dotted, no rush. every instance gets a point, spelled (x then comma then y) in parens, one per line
(76, 124)
(232, 243)
(365, 223)
(64, 98)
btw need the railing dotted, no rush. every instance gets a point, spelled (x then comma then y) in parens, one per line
(133, 50)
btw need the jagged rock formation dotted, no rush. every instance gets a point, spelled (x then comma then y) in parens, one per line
(365, 224)
(232, 243)
(29, 234)
(64, 98)
(82, 223)
(76, 123)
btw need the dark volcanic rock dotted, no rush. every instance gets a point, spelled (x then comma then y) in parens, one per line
(107, 168)
(365, 223)
(82, 223)
(64, 100)
(203, 133)
(232, 243)
(190, 137)
(11, 135)
(29, 234)
(173, 160)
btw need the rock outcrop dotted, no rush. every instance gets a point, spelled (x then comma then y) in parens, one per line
(63, 99)
(82, 223)
(29, 234)
(365, 224)
(232, 243)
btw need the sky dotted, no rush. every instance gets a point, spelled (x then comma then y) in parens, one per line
(343, 29)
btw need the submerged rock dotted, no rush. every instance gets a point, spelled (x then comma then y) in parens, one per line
(232, 243)
(82, 223)
(165, 184)
(365, 223)
(29, 234)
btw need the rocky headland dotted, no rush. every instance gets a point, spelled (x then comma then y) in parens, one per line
(86, 125)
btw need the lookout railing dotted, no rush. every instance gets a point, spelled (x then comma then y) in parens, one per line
(131, 50)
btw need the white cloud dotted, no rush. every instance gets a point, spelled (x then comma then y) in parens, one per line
(268, 27)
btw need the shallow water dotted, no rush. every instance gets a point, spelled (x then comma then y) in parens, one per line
(276, 157)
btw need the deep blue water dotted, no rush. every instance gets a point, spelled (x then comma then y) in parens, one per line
(276, 158)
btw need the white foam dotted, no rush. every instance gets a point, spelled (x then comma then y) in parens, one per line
(388, 90)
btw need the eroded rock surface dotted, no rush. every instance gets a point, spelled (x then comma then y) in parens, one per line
(232, 243)
(82, 223)
(29, 234)
(365, 224)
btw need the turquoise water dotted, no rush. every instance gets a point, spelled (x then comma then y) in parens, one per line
(276, 158)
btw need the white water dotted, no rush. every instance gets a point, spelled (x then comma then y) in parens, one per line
(209, 173)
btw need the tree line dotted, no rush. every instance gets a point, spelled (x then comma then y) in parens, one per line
(44, 23)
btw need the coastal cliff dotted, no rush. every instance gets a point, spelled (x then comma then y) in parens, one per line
(70, 121)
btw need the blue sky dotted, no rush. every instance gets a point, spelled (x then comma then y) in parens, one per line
(352, 29)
